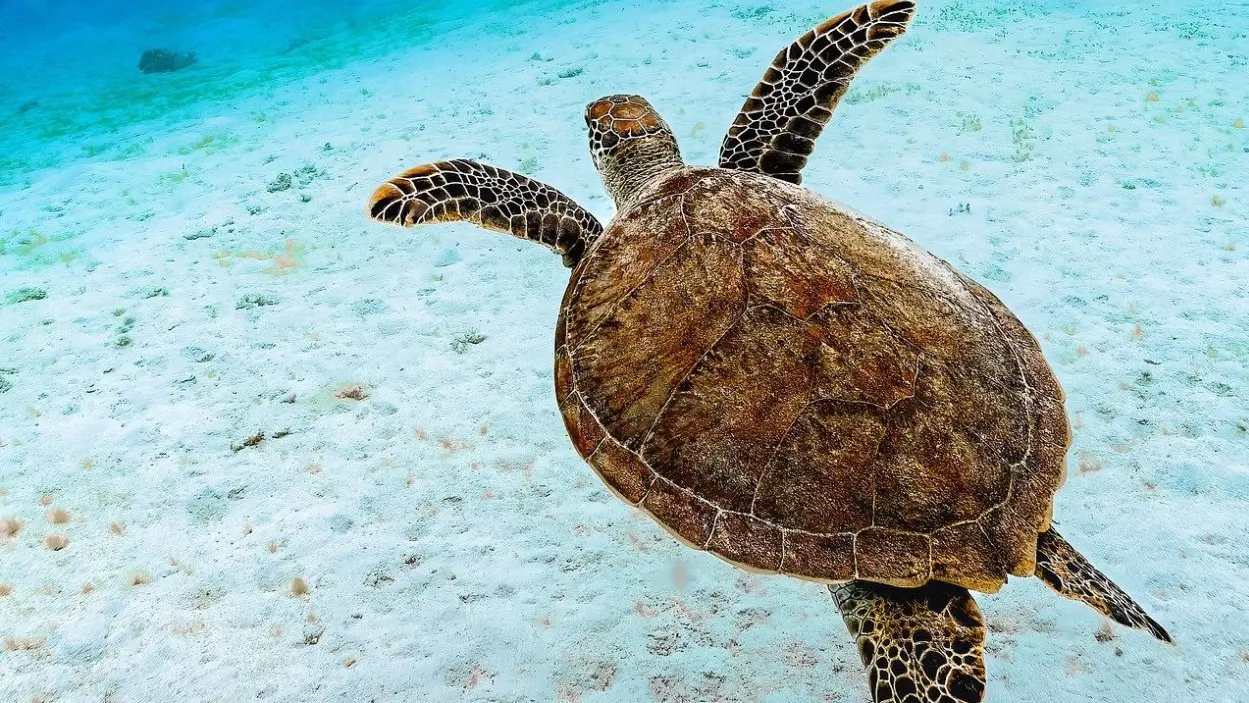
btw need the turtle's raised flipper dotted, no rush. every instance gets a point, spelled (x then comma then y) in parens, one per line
(491, 197)
(1066, 571)
(917, 644)
(777, 127)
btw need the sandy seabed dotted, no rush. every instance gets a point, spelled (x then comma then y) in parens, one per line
(255, 447)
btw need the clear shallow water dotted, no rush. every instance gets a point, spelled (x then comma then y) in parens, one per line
(1083, 161)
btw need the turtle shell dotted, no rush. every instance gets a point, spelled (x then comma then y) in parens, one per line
(798, 389)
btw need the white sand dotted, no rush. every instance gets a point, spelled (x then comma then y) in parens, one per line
(453, 545)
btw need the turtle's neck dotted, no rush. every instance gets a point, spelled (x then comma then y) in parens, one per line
(636, 167)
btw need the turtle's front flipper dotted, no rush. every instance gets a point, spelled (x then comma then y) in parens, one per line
(1066, 571)
(917, 644)
(491, 197)
(777, 127)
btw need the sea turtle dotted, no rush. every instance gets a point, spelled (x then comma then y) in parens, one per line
(790, 385)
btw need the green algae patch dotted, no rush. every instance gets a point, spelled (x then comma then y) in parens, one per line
(867, 94)
(208, 144)
(22, 295)
(256, 300)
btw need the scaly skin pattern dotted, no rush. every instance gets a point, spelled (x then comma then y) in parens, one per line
(1066, 571)
(777, 127)
(490, 197)
(922, 645)
(631, 145)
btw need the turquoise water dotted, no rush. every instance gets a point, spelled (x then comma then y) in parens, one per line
(185, 266)
(71, 81)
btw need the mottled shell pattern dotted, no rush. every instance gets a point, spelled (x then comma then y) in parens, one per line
(798, 389)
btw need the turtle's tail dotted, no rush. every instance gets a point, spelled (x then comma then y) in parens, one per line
(1066, 571)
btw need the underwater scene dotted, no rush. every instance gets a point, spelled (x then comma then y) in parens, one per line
(595, 351)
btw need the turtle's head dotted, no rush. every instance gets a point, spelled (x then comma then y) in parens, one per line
(631, 145)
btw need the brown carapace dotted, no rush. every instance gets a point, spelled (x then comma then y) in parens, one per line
(800, 390)
(790, 385)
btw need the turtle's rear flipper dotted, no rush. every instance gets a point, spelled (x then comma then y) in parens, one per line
(917, 644)
(490, 197)
(1066, 571)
